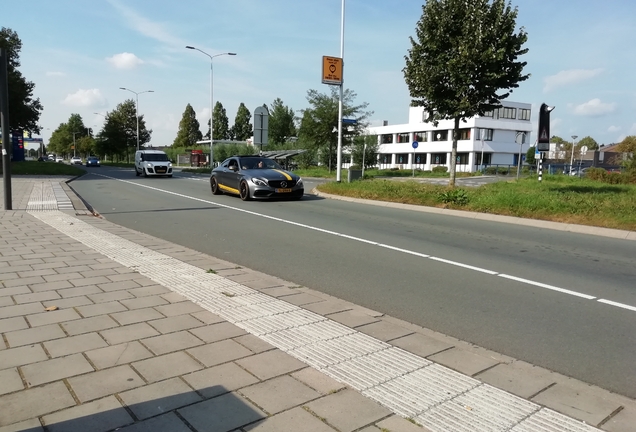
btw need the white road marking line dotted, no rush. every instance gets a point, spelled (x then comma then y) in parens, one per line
(620, 305)
(358, 239)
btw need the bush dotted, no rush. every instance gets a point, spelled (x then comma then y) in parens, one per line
(355, 167)
(599, 174)
(440, 169)
(454, 196)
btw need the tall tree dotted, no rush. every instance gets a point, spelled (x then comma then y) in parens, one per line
(365, 150)
(66, 134)
(318, 122)
(119, 135)
(221, 123)
(189, 129)
(588, 142)
(465, 53)
(242, 128)
(24, 110)
(281, 122)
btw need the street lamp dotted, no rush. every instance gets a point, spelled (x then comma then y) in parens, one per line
(341, 96)
(74, 146)
(211, 96)
(574, 137)
(136, 107)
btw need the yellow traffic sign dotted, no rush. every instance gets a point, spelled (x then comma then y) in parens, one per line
(331, 70)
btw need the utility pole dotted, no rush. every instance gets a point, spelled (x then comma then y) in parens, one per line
(6, 133)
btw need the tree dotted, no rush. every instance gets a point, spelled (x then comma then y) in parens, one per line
(628, 145)
(242, 129)
(366, 145)
(62, 139)
(530, 159)
(119, 135)
(189, 129)
(24, 111)
(464, 56)
(318, 122)
(281, 122)
(589, 142)
(221, 128)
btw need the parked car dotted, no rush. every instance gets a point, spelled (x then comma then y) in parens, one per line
(92, 161)
(255, 177)
(76, 160)
(59, 159)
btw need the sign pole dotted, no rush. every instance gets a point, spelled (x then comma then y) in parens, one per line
(7, 141)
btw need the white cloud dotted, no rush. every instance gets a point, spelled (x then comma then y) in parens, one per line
(85, 98)
(55, 73)
(566, 77)
(125, 60)
(203, 117)
(594, 108)
(614, 128)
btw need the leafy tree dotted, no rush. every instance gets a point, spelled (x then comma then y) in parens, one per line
(119, 135)
(73, 130)
(221, 127)
(530, 159)
(628, 145)
(318, 123)
(558, 140)
(366, 145)
(242, 129)
(24, 110)
(189, 129)
(589, 142)
(464, 56)
(281, 122)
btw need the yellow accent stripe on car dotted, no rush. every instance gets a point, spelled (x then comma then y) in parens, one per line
(287, 176)
(229, 189)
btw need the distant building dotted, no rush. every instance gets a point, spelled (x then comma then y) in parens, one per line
(494, 135)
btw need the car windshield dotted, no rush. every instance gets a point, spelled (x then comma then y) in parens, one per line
(156, 157)
(258, 163)
(92, 158)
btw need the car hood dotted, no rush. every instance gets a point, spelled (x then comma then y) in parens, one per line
(271, 174)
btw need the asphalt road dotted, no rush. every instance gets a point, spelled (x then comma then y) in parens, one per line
(528, 293)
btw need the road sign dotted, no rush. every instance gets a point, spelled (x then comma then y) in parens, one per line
(415, 144)
(261, 123)
(331, 70)
(349, 121)
(584, 150)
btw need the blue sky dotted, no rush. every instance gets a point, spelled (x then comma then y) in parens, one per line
(80, 52)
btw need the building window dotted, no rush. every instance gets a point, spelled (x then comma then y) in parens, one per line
(507, 113)
(438, 158)
(441, 135)
(488, 114)
(420, 158)
(402, 158)
(487, 158)
(419, 136)
(385, 158)
(461, 159)
(485, 134)
(464, 134)
(387, 139)
(403, 138)
(524, 114)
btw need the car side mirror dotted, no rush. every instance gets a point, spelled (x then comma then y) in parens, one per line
(233, 168)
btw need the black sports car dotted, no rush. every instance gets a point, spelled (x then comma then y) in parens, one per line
(255, 177)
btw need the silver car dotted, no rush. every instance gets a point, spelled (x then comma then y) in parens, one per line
(255, 177)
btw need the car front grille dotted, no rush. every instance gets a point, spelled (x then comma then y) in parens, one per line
(282, 183)
(161, 170)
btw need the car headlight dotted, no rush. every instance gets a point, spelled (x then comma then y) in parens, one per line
(299, 182)
(149, 165)
(259, 182)
(169, 165)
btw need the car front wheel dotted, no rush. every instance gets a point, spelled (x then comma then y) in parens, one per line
(214, 186)
(244, 191)
(136, 172)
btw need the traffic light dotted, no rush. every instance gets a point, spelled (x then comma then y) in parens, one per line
(543, 142)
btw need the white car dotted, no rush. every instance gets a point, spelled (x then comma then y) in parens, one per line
(76, 160)
(59, 159)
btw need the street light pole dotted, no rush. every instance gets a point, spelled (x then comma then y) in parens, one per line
(574, 137)
(137, 107)
(339, 156)
(211, 97)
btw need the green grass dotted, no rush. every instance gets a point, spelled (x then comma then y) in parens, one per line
(557, 198)
(44, 168)
(320, 172)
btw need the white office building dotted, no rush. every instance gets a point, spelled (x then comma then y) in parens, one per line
(493, 135)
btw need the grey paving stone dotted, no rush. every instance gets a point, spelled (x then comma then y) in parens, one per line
(318, 380)
(152, 290)
(624, 421)
(463, 361)
(219, 352)
(399, 424)
(72, 269)
(253, 343)
(68, 303)
(579, 400)
(384, 331)
(221, 379)
(166, 366)
(87, 325)
(519, 378)
(74, 344)
(55, 369)
(106, 382)
(328, 307)
(179, 308)
(49, 286)
(52, 317)
(97, 416)
(144, 302)
(34, 335)
(278, 291)
(118, 286)
(173, 297)
(128, 333)
(353, 318)
(159, 398)
(136, 316)
(300, 299)
(27, 404)
(217, 332)
(20, 310)
(270, 364)
(348, 410)
(36, 272)
(63, 276)
(110, 296)
(167, 422)
(279, 394)
(171, 342)
(13, 290)
(6, 301)
(32, 425)
(21, 356)
(10, 381)
(81, 291)
(101, 309)
(221, 414)
(175, 323)
(207, 317)
(294, 420)
(11, 324)
(97, 280)
(23, 281)
(117, 355)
